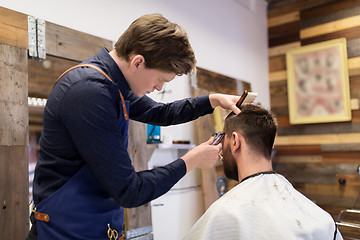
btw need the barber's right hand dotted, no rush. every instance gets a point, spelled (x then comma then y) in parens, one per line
(203, 156)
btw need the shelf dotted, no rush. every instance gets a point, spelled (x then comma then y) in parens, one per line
(170, 146)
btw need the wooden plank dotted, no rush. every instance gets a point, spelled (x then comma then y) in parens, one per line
(284, 7)
(70, 44)
(14, 194)
(317, 139)
(283, 121)
(341, 157)
(283, 19)
(277, 76)
(277, 63)
(331, 190)
(280, 111)
(13, 28)
(287, 37)
(351, 179)
(13, 96)
(216, 82)
(355, 116)
(338, 201)
(355, 103)
(278, 88)
(35, 128)
(297, 159)
(139, 216)
(351, 33)
(354, 66)
(244, 86)
(280, 101)
(355, 87)
(282, 49)
(353, 48)
(321, 128)
(42, 75)
(14, 175)
(328, 8)
(278, 94)
(204, 129)
(36, 119)
(284, 29)
(36, 111)
(313, 172)
(323, 14)
(340, 147)
(334, 26)
(298, 150)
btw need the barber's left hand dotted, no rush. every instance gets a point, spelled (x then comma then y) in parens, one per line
(225, 101)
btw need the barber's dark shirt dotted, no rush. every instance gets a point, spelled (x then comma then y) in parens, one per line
(81, 126)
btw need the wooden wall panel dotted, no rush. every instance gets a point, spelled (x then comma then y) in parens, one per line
(205, 126)
(329, 138)
(353, 48)
(13, 96)
(71, 44)
(321, 128)
(355, 87)
(338, 25)
(216, 82)
(204, 129)
(277, 63)
(14, 175)
(329, 13)
(284, 7)
(310, 172)
(282, 49)
(283, 19)
(328, 8)
(13, 28)
(283, 120)
(285, 33)
(41, 78)
(350, 33)
(14, 194)
(140, 216)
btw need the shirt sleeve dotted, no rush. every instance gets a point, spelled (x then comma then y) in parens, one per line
(146, 110)
(90, 112)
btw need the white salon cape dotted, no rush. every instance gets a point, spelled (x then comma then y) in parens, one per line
(265, 206)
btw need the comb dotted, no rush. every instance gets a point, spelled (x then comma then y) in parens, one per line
(246, 97)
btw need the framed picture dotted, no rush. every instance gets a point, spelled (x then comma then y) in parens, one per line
(318, 83)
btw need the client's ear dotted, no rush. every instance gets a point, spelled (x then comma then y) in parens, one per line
(235, 141)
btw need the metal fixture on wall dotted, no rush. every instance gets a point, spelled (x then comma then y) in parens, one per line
(36, 33)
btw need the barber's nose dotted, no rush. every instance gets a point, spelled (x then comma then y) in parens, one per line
(159, 86)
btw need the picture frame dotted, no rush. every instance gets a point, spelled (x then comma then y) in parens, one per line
(318, 83)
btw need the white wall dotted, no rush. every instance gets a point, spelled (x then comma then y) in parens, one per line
(228, 36)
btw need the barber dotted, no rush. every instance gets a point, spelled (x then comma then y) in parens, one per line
(84, 175)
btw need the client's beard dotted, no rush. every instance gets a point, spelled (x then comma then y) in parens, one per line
(230, 166)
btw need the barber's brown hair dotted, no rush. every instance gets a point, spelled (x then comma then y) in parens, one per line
(163, 44)
(257, 125)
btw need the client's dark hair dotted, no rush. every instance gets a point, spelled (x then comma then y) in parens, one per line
(257, 125)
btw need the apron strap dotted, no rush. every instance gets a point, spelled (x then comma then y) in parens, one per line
(41, 216)
(126, 116)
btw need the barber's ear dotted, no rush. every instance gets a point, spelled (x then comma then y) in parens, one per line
(136, 61)
(235, 141)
